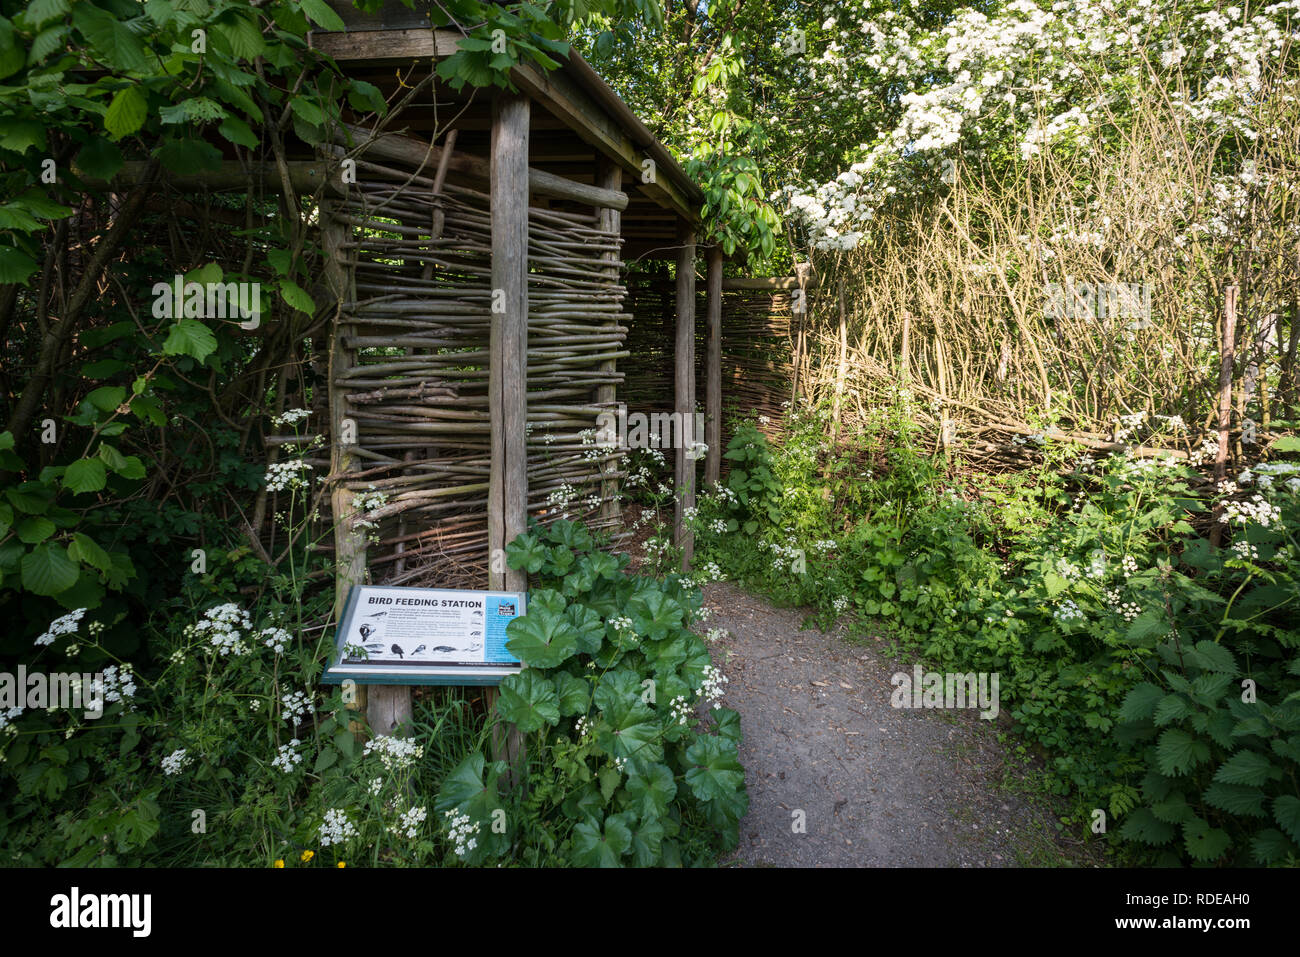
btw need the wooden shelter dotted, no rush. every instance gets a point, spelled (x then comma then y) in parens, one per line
(478, 247)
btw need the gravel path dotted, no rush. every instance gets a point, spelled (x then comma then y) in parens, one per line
(877, 786)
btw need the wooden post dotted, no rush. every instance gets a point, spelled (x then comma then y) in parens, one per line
(1225, 403)
(713, 371)
(684, 379)
(609, 175)
(507, 380)
(349, 546)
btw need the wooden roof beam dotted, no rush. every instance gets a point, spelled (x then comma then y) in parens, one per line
(563, 97)
(385, 46)
(419, 154)
(564, 92)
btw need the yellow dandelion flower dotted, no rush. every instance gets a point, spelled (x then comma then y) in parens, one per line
(307, 856)
(342, 864)
(279, 864)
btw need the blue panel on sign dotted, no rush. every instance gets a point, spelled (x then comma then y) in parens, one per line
(501, 610)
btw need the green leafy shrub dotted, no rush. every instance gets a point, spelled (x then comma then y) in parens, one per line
(1120, 636)
(755, 499)
(621, 767)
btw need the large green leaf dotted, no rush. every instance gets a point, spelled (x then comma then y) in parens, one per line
(647, 843)
(728, 722)
(85, 549)
(191, 338)
(107, 398)
(85, 475)
(1142, 825)
(654, 613)
(541, 639)
(547, 599)
(572, 535)
(41, 12)
(321, 14)
(241, 35)
(1212, 657)
(715, 772)
(602, 845)
(724, 815)
(630, 729)
(297, 297)
(1178, 752)
(1236, 799)
(1286, 811)
(47, 570)
(46, 42)
(238, 132)
(1270, 846)
(114, 44)
(15, 265)
(588, 626)
(1173, 809)
(363, 97)
(1246, 767)
(1209, 688)
(668, 654)
(11, 53)
(528, 700)
(573, 693)
(1205, 843)
(651, 789)
(34, 529)
(471, 789)
(21, 135)
(1173, 707)
(526, 553)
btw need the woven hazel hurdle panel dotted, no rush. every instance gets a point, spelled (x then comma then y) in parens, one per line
(418, 388)
(756, 356)
(649, 367)
(757, 353)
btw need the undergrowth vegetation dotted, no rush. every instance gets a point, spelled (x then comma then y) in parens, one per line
(229, 753)
(1159, 676)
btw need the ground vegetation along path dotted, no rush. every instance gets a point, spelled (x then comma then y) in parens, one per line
(875, 785)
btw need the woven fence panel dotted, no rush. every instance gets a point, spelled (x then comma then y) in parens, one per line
(418, 389)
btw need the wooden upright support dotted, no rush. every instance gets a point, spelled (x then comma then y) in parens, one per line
(684, 378)
(507, 380)
(609, 176)
(349, 544)
(713, 371)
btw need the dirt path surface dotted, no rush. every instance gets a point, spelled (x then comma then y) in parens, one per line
(877, 786)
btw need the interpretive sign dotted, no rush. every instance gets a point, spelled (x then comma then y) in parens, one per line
(396, 635)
